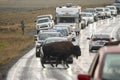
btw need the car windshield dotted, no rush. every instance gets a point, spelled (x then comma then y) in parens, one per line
(112, 8)
(43, 17)
(42, 21)
(86, 15)
(106, 9)
(100, 10)
(83, 15)
(89, 10)
(111, 67)
(53, 40)
(118, 5)
(67, 20)
(63, 32)
(89, 15)
(46, 35)
(100, 37)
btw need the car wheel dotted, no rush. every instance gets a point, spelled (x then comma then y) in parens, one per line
(73, 39)
(95, 19)
(82, 26)
(90, 50)
(37, 54)
(37, 31)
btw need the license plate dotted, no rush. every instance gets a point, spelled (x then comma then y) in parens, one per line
(101, 43)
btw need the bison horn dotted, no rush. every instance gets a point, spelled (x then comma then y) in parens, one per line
(76, 57)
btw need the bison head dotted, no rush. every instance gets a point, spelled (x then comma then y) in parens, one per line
(76, 51)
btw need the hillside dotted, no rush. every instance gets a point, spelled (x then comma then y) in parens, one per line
(50, 3)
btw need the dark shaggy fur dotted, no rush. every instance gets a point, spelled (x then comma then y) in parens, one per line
(60, 50)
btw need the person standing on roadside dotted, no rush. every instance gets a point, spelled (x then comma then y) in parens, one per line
(22, 26)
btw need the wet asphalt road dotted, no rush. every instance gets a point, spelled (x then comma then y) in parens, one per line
(29, 67)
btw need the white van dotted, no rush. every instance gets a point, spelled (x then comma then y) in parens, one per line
(113, 10)
(107, 12)
(101, 12)
(43, 23)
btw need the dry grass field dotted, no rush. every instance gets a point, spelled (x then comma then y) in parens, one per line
(13, 45)
(12, 42)
(50, 3)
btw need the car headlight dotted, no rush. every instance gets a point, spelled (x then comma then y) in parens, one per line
(38, 44)
(73, 27)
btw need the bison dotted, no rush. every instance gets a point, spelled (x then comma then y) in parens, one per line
(61, 51)
(112, 43)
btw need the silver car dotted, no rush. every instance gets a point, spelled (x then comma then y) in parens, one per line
(93, 11)
(98, 40)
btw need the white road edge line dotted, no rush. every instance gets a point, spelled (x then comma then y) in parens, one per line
(10, 76)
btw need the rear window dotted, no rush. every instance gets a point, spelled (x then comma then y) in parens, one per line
(46, 35)
(43, 21)
(43, 17)
(67, 20)
(101, 37)
(90, 10)
(106, 9)
(54, 40)
(83, 15)
(99, 9)
(112, 8)
(111, 67)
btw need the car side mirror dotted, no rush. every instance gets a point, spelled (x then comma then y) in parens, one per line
(83, 77)
(35, 37)
(53, 19)
(112, 38)
(88, 38)
(35, 21)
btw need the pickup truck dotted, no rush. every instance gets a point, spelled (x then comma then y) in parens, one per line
(44, 22)
(101, 12)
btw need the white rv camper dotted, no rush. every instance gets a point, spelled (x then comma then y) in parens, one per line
(69, 15)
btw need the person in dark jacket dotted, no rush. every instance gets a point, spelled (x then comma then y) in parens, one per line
(22, 26)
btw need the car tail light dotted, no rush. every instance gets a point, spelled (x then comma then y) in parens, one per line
(91, 40)
(84, 77)
(110, 40)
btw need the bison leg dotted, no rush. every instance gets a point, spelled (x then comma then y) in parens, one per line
(50, 61)
(52, 65)
(57, 61)
(66, 63)
(42, 62)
